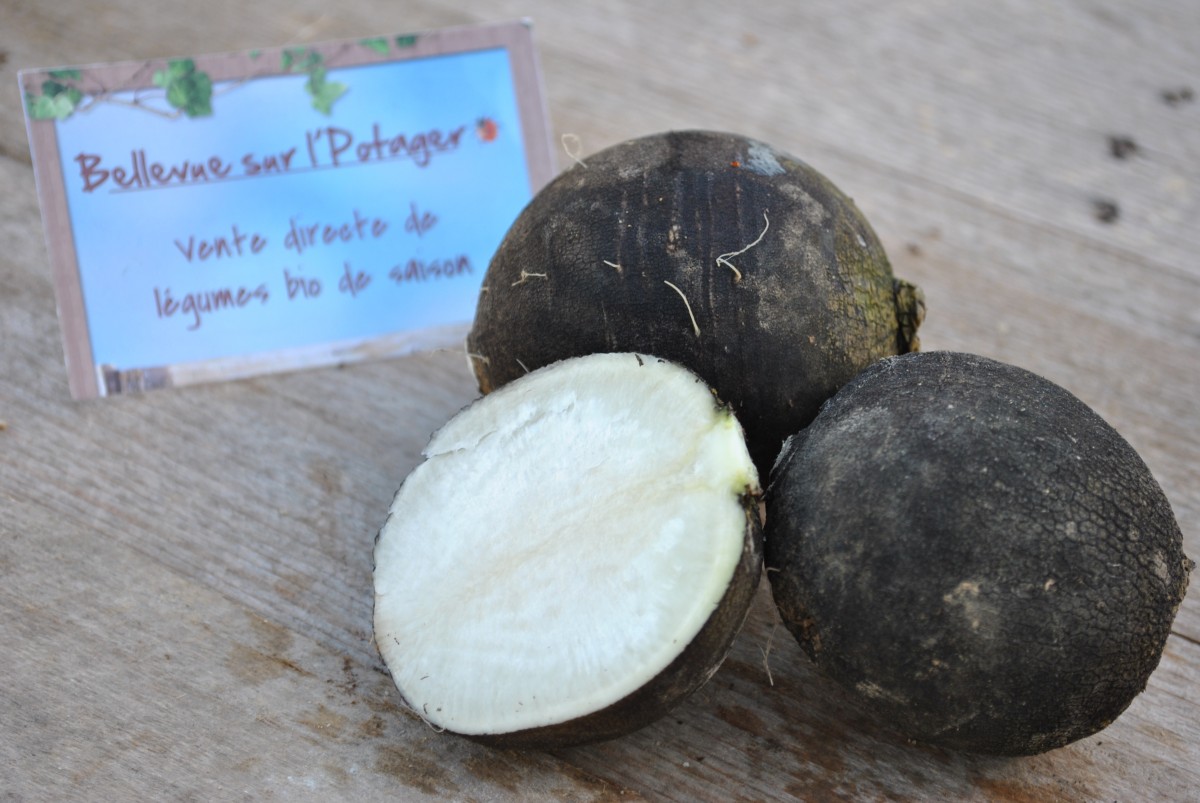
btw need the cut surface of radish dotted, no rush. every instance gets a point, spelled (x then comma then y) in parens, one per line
(564, 541)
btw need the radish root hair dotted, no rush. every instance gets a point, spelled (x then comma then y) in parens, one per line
(572, 145)
(766, 654)
(723, 259)
(695, 326)
(526, 276)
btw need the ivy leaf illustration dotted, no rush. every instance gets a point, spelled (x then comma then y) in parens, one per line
(407, 40)
(379, 45)
(57, 100)
(54, 89)
(187, 90)
(298, 59)
(176, 69)
(192, 94)
(324, 92)
(47, 107)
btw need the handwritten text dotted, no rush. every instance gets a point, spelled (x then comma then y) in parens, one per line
(325, 148)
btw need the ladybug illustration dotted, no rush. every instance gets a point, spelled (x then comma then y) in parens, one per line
(486, 129)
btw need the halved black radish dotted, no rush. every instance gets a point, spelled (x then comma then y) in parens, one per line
(574, 556)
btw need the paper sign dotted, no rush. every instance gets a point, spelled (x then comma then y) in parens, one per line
(221, 216)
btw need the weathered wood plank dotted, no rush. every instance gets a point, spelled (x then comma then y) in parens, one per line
(126, 682)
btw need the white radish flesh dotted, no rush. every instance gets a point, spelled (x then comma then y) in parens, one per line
(565, 539)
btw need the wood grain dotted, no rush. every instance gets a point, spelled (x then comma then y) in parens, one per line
(185, 575)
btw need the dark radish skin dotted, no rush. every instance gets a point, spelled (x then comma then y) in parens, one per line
(974, 553)
(708, 249)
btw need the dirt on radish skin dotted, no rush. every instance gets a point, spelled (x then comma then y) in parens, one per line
(974, 553)
(573, 557)
(709, 249)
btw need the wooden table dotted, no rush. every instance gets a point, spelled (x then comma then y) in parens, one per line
(185, 575)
